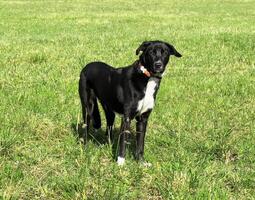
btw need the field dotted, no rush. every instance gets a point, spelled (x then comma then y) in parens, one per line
(201, 134)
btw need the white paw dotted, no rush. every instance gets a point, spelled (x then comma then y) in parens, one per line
(84, 126)
(120, 161)
(146, 164)
(96, 130)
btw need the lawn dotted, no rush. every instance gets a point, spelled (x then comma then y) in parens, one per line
(201, 134)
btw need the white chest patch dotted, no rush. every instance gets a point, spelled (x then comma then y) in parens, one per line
(147, 102)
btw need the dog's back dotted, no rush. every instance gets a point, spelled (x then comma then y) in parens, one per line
(96, 72)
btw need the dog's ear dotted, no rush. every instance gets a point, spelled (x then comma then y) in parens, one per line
(173, 51)
(142, 47)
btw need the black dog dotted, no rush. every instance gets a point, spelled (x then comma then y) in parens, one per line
(129, 91)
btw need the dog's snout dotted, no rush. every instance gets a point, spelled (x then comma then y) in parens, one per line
(158, 64)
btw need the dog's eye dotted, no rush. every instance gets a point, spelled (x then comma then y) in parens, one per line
(151, 52)
(164, 52)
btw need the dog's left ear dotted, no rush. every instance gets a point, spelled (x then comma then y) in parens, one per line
(142, 47)
(173, 51)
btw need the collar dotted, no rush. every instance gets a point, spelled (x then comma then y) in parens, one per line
(147, 73)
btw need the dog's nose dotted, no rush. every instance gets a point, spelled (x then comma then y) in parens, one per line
(158, 64)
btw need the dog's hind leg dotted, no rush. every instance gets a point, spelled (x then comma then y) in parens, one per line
(110, 117)
(94, 111)
(85, 94)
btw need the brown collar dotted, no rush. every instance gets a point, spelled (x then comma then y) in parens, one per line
(144, 70)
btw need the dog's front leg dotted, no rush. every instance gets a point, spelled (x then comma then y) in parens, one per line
(141, 125)
(124, 131)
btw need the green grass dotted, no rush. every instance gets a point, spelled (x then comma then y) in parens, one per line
(201, 134)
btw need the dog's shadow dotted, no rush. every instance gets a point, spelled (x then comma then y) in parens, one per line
(100, 138)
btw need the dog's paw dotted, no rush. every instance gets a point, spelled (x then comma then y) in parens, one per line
(96, 130)
(146, 164)
(120, 161)
(84, 126)
(82, 140)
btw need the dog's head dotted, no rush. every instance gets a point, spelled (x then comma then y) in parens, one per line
(155, 55)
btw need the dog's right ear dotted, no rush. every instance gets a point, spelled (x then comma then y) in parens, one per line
(142, 47)
(172, 50)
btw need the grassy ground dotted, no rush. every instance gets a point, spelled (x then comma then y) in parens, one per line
(201, 133)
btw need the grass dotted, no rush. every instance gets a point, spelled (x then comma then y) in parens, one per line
(201, 134)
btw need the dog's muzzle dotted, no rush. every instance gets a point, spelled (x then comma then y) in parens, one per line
(158, 67)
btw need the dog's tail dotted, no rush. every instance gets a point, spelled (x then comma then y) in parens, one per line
(89, 103)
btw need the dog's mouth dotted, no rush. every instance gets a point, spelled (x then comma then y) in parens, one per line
(158, 67)
(156, 73)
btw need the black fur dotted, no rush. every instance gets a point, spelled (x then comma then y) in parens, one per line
(120, 89)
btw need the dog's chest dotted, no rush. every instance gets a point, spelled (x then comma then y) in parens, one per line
(148, 101)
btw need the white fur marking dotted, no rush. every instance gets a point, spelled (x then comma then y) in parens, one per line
(120, 161)
(96, 130)
(146, 164)
(147, 102)
(84, 125)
